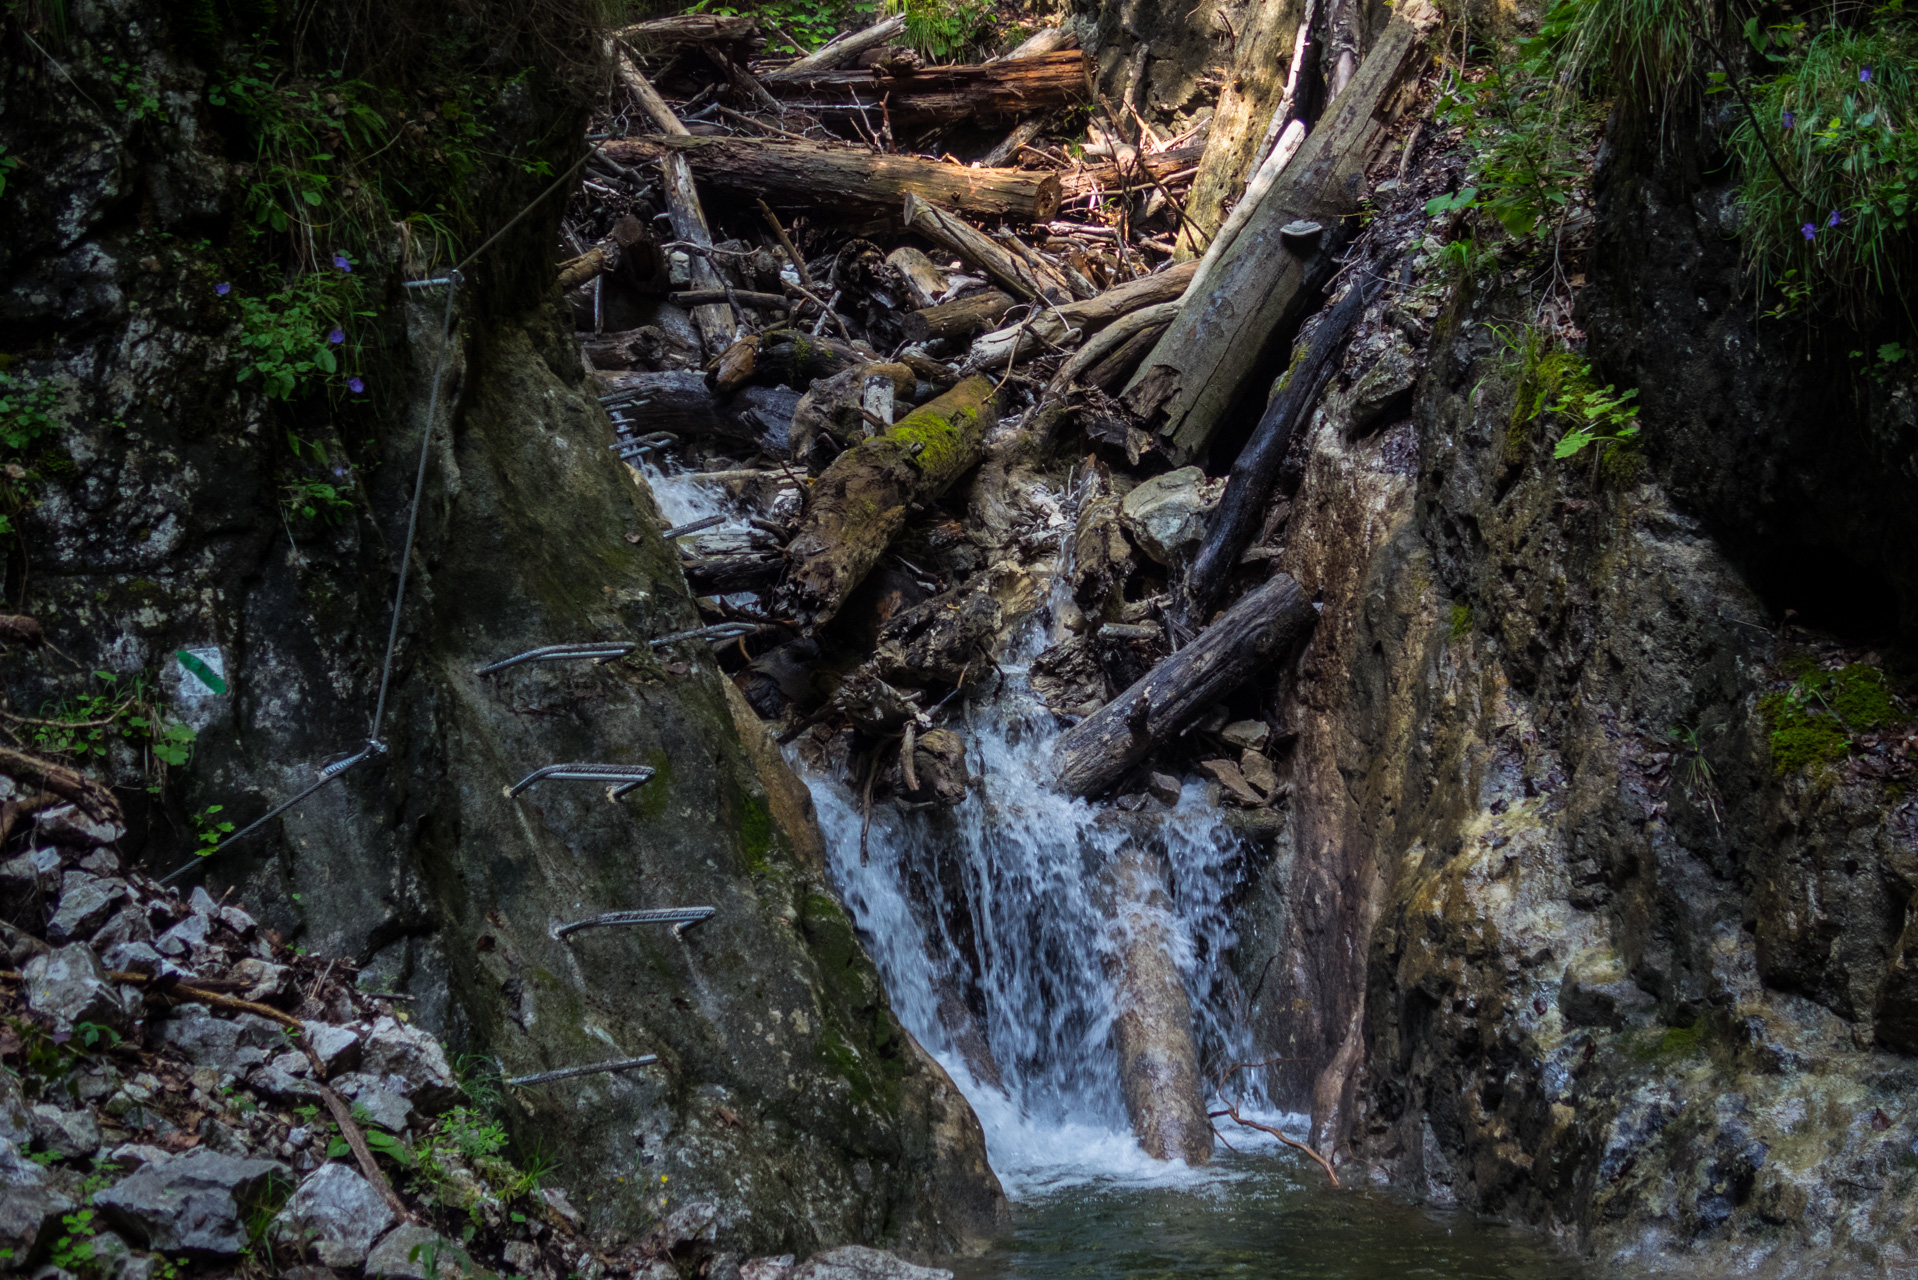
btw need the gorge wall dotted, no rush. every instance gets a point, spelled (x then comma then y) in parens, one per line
(787, 1097)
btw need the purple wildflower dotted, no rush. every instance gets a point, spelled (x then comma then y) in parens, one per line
(1791, 118)
(1864, 75)
(354, 385)
(1810, 230)
(340, 261)
(222, 288)
(1833, 220)
(339, 335)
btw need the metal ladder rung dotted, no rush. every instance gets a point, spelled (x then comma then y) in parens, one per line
(567, 1073)
(601, 649)
(627, 777)
(678, 917)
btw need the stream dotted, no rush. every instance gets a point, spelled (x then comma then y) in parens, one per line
(1000, 944)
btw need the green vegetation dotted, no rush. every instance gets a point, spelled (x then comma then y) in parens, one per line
(940, 29)
(1694, 771)
(1813, 722)
(1552, 380)
(794, 26)
(1460, 621)
(208, 830)
(86, 724)
(1830, 162)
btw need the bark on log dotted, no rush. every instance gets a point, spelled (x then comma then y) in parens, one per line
(1248, 487)
(841, 177)
(714, 323)
(1132, 175)
(1110, 339)
(1267, 36)
(627, 234)
(960, 318)
(1158, 1063)
(783, 357)
(1017, 272)
(1023, 135)
(1054, 326)
(993, 91)
(743, 571)
(1110, 373)
(1095, 753)
(1043, 41)
(659, 35)
(679, 401)
(1247, 290)
(925, 281)
(840, 50)
(862, 500)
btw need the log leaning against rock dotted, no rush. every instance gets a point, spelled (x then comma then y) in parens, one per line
(816, 175)
(1248, 289)
(862, 500)
(1096, 753)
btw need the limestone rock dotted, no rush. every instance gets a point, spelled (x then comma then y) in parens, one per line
(1229, 777)
(1247, 735)
(777, 1268)
(36, 872)
(71, 1135)
(67, 824)
(1166, 515)
(195, 1203)
(337, 1213)
(16, 1118)
(1257, 770)
(856, 1262)
(394, 1049)
(230, 1045)
(338, 1048)
(69, 985)
(86, 901)
(402, 1253)
(131, 957)
(1164, 788)
(30, 1203)
(1385, 386)
(383, 1097)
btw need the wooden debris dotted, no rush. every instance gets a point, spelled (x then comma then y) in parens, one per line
(662, 35)
(960, 318)
(992, 91)
(1054, 326)
(808, 174)
(863, 498)
(1098, 751)
(1247, 289)
(1015, 267)
(837, 53)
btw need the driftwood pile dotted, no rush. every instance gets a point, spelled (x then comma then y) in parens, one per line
(940, 332)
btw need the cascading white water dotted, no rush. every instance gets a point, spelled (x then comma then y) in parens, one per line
(997, 945)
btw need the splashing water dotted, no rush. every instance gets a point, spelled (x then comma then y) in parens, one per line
(999, 947)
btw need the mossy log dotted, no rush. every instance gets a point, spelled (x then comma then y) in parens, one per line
(1247, 289)
(926, 95)
(816, 175)
(862, 500)
(783, 357)
(1096, 753)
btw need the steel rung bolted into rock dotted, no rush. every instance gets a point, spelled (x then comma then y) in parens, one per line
(678, 917)
(625, 777)
(718, 631)
(692, 526)
(562, 652)
(566, 1073)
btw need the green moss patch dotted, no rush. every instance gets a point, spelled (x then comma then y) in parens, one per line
(1813, 722)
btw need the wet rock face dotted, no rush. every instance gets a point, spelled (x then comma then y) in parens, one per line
(787, 1097)
(1560, 937)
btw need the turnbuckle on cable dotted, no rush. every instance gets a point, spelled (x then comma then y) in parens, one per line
(678, 917)
(626, 777)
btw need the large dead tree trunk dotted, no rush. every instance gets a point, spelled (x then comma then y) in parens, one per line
(1266, 53)
(1095, 753)
(960, 318)
(993, 91)
(714, 323)
(862, 500)
(1158, 1063)
(1247, 289)
(844, 177)
(1248, 489)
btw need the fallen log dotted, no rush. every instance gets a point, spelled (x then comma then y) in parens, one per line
(1132, 174)
(1248, 487)
(1020, 273)
(1158, 1063)
(627, 234)
(1054, 326)
(1045, 40)
(816, 175)
(840, 50)
(960, 318)
(662, 35)
(1099, 750)
(992, 91)
(745, 298)
(923, 280)
(862, 500)
(740, 571)
(679, 401)
(783, 357)
(1007, 150)
(1246, 291)
(1110, 339)
(715, 324)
